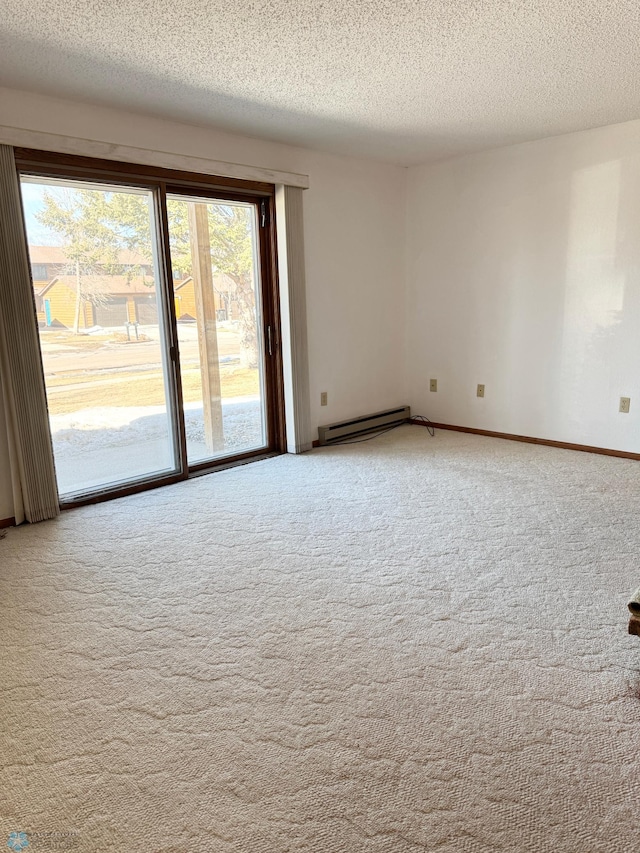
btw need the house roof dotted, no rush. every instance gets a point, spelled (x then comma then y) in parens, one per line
(57, 255)
(221, 281)
(109, 285)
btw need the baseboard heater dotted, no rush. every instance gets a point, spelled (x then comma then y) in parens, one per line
(360, 426)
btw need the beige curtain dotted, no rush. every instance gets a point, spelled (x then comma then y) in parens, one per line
(295, 358)
(23, 392)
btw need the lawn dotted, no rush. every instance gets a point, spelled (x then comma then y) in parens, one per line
(77, 342)
(140, 388)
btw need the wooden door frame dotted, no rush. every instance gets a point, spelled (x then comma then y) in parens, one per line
(169, 181)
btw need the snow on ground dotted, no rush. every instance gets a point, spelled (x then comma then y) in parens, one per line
(113, 444)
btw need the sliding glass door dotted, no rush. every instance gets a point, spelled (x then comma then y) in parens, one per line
(157, 327)
(217, 297)
(99, 303)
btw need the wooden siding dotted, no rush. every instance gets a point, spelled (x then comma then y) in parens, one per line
(185, 302)
(62, 305)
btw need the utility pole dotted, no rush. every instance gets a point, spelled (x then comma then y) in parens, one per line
(207, 325)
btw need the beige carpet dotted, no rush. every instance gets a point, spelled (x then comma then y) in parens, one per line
(411, 644)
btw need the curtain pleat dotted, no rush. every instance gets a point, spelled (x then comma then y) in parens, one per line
(31, 453)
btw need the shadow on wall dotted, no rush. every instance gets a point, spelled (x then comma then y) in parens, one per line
(594, 284)
(527, 263)
(601, 344)
(578, 257)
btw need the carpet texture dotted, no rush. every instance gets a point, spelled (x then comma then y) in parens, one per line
(410, 644)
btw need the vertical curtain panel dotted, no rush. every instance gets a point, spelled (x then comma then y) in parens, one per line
(25, 402)
(293, 303)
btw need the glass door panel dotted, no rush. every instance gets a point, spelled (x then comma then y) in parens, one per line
(217, 297)
(96, 279)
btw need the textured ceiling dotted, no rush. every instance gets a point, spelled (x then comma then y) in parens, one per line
(400, 80)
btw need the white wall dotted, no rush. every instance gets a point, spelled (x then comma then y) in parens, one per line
(523, 273)
(354, 232)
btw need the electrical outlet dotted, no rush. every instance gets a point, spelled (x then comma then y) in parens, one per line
(323, 398)
(480, 391)
(433, 385)
(625, 404)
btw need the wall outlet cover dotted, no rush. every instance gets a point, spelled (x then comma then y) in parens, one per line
(625, 405)
(480, 391)
(433, 385)
(323, 398)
